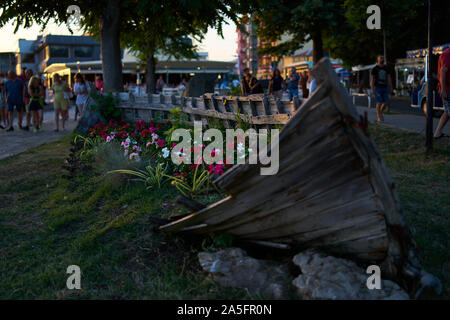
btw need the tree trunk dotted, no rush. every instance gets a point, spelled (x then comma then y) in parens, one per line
(151, 65)
(317, 46)
(110, 47)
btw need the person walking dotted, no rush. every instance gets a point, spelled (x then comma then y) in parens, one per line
(26, 97)
(160, 84)
(36, 92)
(81, 90)
(14, 99)
(303, 85)
(249, 84)
(444, 91)
(381, 85)
(67, 93)
(2, 106)
(311, 84)
(99, 83)
(276, 84)
(59, 102)
(292, 83)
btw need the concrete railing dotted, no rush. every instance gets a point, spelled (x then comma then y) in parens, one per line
(257, 110)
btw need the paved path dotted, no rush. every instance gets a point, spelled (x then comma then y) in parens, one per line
(18, 141)
(412, 122)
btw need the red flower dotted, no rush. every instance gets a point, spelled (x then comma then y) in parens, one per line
(160, 143)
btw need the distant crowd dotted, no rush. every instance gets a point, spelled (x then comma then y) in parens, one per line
(27, 94)
(295, 84)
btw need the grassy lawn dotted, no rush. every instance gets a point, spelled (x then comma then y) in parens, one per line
(101, 224)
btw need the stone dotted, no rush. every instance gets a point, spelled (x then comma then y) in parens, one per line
(89, 119)
(328, 277)
(232, 267)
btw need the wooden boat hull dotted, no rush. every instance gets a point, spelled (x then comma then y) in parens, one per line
(332, 189)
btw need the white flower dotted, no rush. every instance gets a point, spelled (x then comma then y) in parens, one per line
(240, 147)
(165, 152)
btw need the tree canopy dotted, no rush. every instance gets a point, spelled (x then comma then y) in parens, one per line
(108, 19)
(339, 27)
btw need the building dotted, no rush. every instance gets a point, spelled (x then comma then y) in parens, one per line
(7, 61)
(267, 62)
(25, 56)
(38, 54)
(247, 46)
(52, 49)
(301, 60)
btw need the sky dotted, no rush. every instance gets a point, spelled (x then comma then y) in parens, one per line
(219, 49)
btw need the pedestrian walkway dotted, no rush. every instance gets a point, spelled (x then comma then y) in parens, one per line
(18, 141)
(408, 121)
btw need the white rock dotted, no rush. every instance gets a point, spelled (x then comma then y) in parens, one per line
(327, 277)
(232, 267)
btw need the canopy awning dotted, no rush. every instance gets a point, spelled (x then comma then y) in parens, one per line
(423, 52)
(132, 66)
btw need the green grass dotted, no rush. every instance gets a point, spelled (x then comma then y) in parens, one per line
(423, 185)
(101, 224)
(47, 224)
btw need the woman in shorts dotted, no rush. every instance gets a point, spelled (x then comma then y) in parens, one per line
(59, 102)
(35, 91)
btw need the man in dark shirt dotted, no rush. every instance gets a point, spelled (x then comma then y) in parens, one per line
(292, 83)
(14, 98)
(381, 84)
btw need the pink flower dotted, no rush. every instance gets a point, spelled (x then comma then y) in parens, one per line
(148, 143)
(134, 155)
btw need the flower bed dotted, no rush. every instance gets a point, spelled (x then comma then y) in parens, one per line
(147, 147)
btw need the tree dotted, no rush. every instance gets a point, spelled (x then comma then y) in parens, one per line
(404, 22)
(355, 44)
(163, 27)
(292, 23)
(150, 36)
(106, 18)
(102, 14)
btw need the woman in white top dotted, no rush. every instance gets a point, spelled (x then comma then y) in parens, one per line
(81, 90)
